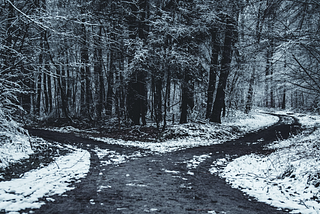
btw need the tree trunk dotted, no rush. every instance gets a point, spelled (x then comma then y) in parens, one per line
(184, 104)
(137, 90)
(110, 84)
(187, 97)
(137, 98)
(249, 102)
(63, 96)
(158, 100)
(225, 70)
(213, 71)
(98, 68)
(166, 99)
(283, 104)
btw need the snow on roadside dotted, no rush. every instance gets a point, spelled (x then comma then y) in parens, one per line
(252, 122)
(17, 148)
(288, 178)
(26, 191)
(69, 129)
(307, 120)
(194, 135)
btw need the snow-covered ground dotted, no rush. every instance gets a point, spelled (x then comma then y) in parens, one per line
(14, 141)
(55, 178)
(197, 134)
(17, 148)
(24, 192)
(288, 178)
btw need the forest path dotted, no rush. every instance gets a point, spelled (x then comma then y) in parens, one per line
(162, 183)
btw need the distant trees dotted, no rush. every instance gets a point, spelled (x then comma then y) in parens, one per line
(90, 62)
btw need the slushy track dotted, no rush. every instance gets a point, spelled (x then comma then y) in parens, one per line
(161, 183)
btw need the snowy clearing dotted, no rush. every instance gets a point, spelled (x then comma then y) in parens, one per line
(288, 178)
(25, 192)
(194, 134)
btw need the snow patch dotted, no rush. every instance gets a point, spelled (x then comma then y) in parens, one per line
(253, 121)
(288, 178)
(218, 165)
(171, 171)
(196, 160)
(136, 185)
(71, 129)
(115, 157)
(25, 192)
(13, 147)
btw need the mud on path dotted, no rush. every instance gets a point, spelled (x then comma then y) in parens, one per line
(161, 183)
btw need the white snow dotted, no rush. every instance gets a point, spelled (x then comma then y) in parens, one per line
(69, 129)
(171, 171)
(196, 134)
(26, 191)
(114, 157)
(136, 185)
(18, 148)
(190, 173)
(253, 121)
(288, 178)
(218, 165)
(196, 160)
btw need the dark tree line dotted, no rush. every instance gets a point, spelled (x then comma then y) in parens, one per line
(157, 60)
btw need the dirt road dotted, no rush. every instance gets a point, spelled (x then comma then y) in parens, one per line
(161, 183)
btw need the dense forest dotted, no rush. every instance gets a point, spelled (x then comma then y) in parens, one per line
(133, 61)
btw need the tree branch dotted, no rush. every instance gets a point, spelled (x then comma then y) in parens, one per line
(306, 72)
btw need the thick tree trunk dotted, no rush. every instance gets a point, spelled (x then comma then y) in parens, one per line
(137, 98)
(137, 90)
(225, 70)
(187, 97)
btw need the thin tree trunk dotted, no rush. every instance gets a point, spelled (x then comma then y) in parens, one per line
(158, 100)
(213, 71)
(249, 102)
(166, 99)
(109, 94)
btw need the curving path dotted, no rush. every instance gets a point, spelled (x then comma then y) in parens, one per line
(162, 183)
